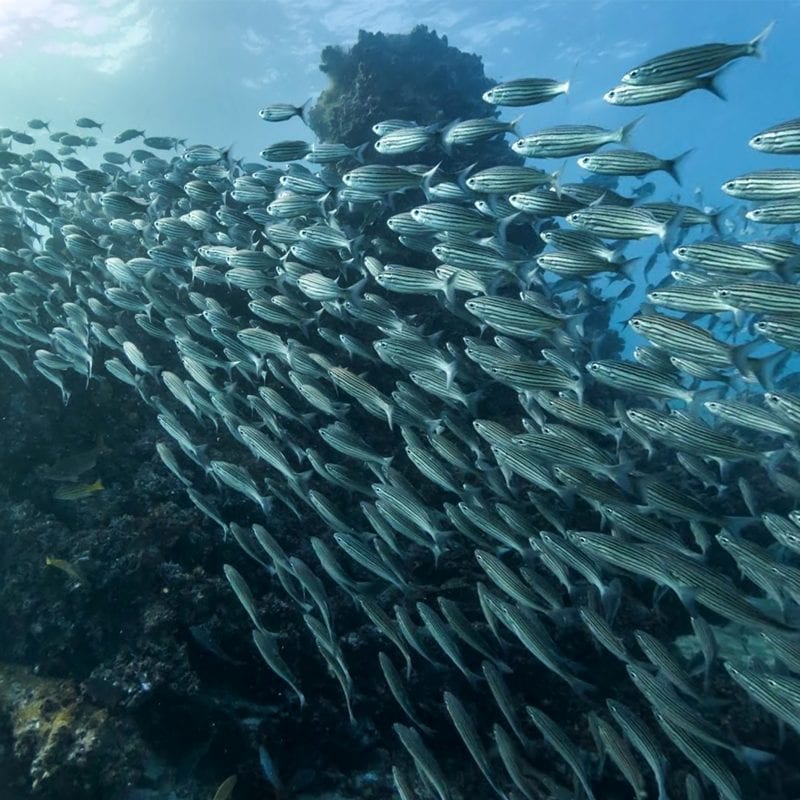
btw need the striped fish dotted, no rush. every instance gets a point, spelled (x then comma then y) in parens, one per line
(781, 138)
(471, 131)
(525, 91)
(615, 746)
(768, 184)
(507, 179)
(629, 94)
(631, 162)
(637, 378)
(405, 140)
(380, 179)
(288, 150)
(450, 217)
(563, 141)
(615, 222)
(644, 740)
(557, 738)
(469, 735)
(705, 759)
(689, 62)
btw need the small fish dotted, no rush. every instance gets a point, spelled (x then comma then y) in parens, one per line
(78, 491)
(66, 566)
(280, 112)
(127, 135)
(71, 467)
(631, 162)
(85, 122)
(563, 141)
(270, 770)
(689, 62)
(629, 94)
(782, 138)
(423, 759)
(525, 92)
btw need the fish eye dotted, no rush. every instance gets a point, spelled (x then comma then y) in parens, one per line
(593, 367)
(633, 73)
(723, 292)
(612, 93)
(758, 139)
(730, 185)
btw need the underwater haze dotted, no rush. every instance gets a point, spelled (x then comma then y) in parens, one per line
(399, 400)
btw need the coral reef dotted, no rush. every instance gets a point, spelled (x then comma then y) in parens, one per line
(417, 77)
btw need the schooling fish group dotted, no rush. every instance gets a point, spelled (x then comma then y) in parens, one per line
(507, 501)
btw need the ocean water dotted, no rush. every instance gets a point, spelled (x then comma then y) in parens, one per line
(289, 509)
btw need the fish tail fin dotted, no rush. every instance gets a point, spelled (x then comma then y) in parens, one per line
(427, 178)
(709, 83)
(740, 357)
(354, 291)
(227, 156)
(755, 45)
(626, 130)
(714, 219)
(450, 372)
(569, 81)
(764, 369)
(513, 125)
(753, 757)
(627, 269)
(449, 287)
(672, 165)
(671, 231)
(461, 177)
(302, 112)
(581, 687)
(556, 176)
(360, 150)
(574, 323)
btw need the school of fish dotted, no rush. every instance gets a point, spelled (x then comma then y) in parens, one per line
(426, 413)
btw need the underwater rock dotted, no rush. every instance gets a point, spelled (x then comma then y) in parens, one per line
(416, 76)
(69, 747)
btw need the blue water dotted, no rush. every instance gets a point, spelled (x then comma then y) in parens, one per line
(203, 69)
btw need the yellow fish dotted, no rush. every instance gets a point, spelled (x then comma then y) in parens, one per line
(66, 566)
(78, 491)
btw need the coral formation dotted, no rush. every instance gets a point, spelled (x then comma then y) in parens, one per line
(69, 746)
(416, 77)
